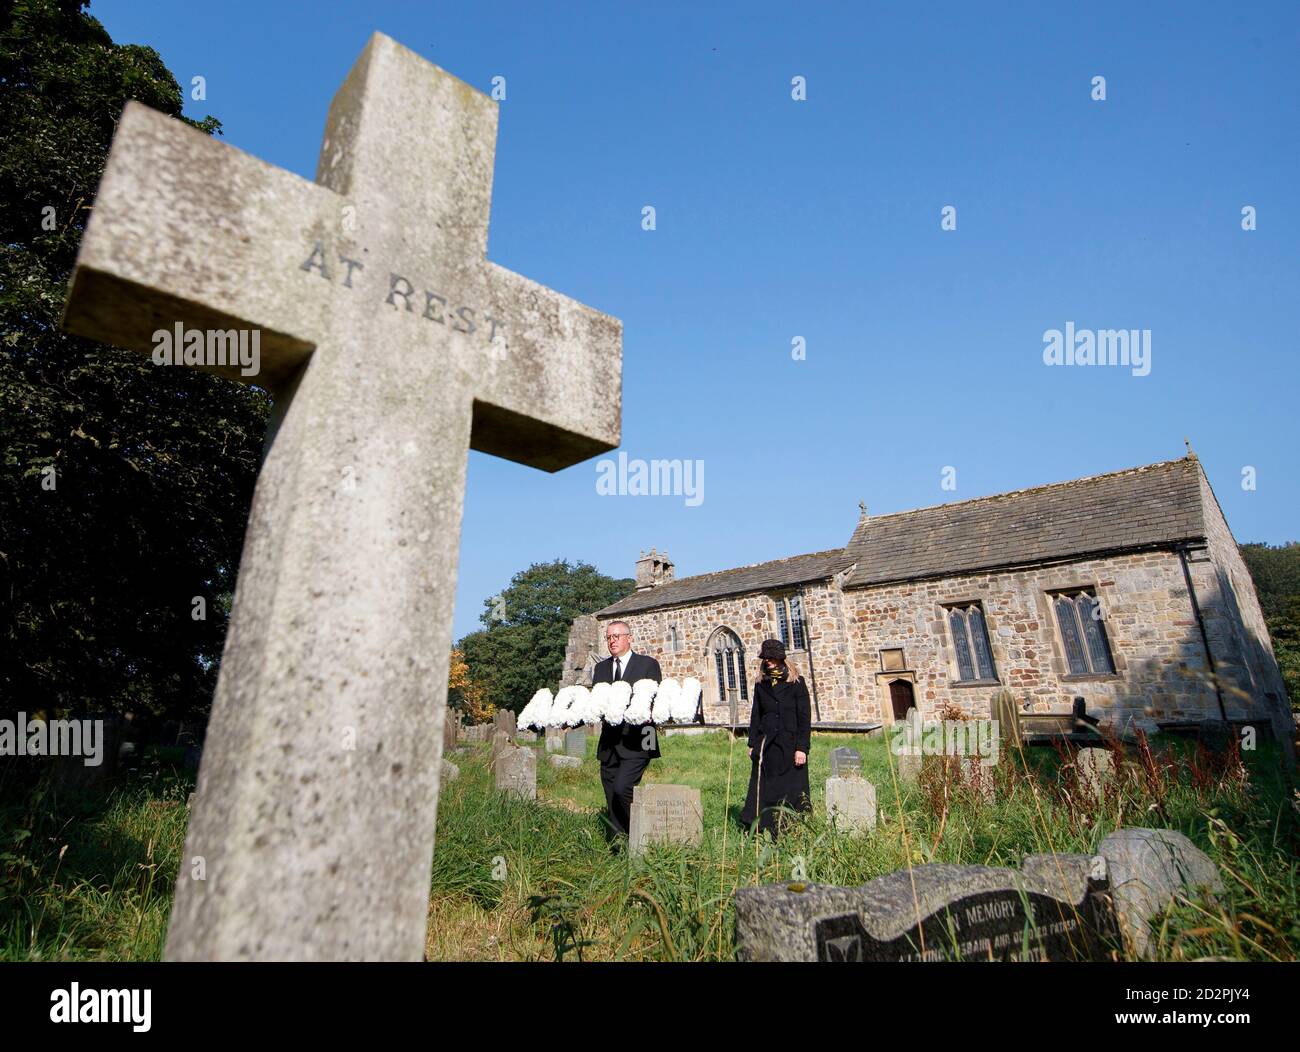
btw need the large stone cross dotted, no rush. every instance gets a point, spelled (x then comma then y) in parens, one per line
(391, 347)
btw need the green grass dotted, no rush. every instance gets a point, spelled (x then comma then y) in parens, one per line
(522, 880)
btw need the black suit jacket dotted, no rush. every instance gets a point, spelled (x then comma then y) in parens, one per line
(624, 740)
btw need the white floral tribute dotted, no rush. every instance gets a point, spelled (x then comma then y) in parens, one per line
(642, 702)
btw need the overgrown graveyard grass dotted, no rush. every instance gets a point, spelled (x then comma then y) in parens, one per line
(522, 880)
(90, 876)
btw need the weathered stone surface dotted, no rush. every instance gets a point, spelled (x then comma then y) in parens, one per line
(504, 719)
(1095, 769)
(851, 804)
(525, 736)
(580, 653)
(555, 739)
(450, 772)
(664, 813)
(575, 742)
(908, 767)
(559, 759)
(936, 912)
(516, 772)
(845, 762)
(390, 346)
(501, 741)
(1149, 868)
(451, 730)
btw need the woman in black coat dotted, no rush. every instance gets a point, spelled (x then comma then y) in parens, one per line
(780, 728)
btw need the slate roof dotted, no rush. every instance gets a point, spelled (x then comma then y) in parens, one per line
(1141, 507)
(760, 576)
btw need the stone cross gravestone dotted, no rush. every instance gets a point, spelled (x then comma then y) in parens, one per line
(664, 813)
(845, 762)
(391, 347)
(516, 771)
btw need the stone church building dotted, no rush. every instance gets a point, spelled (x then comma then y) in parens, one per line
(1126, 589)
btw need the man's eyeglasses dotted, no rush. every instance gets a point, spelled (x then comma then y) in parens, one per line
(617, 635)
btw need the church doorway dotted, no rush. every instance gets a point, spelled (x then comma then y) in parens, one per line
(901, 698)
(728, 690)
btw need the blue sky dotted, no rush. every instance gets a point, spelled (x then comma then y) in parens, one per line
(820, 219)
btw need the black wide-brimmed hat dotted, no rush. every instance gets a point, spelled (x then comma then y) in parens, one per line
(771, 650)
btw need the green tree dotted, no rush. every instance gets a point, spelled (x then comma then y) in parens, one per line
(1275, 569)
(125, 486)
(526, 627)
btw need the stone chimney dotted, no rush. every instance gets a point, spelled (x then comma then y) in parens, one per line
(653, 570)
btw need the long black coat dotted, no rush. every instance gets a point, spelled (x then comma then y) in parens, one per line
(780, 723)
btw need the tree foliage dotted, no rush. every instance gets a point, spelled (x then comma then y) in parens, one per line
(1275, 570)
(126, 486)
(521, 646)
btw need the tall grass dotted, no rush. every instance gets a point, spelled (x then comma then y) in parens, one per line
(91, 878)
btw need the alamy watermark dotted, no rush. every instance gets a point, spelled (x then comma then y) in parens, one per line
(210, 347)
(651, 478)
(85, 738)
(971, 738)
(1118, 347)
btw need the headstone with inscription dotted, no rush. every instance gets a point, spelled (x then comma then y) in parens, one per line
(845, 762)
(851, 804)
(364, 303)
(575, 742)
(1054, 908)
(555, 739)
(516, 772)
(664, 814)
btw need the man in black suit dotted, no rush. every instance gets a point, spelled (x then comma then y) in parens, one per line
(624, 751)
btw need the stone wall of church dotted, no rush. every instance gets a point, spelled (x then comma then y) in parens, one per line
(1234, 623)
(753, 618)
(1159, 658)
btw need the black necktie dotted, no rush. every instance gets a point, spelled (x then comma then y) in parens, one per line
(618, 669)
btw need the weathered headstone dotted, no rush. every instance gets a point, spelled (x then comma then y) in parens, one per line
(391, 347)
(664, 813)
(575, 742)
(501, 741)
(845, 762)
(505, 720)
(1056, 907)
(908, 768)
(451, 730)
(1095, 769)
(450, 772)
(516, 772)
(560, 759)
(1149, 868)
(525, 736)
(1007, 715)
(555, 739)
(851, 804)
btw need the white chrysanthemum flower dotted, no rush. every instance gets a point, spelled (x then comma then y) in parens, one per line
(638, 709)
(560, 708)
(537, 709)
(646, 687)
(620, 694)
(580, 710)
(687, 700)
(665, 701)
(599, 701)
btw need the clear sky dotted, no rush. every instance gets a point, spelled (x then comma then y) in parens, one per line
(821, 219)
